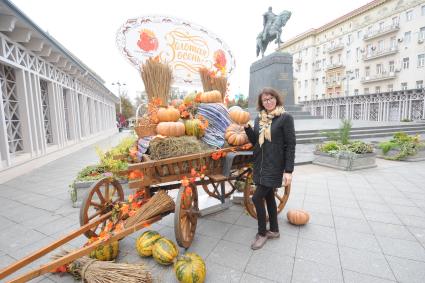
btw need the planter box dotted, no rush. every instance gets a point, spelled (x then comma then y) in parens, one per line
(420, 156)
(362, 161)
(82, 187)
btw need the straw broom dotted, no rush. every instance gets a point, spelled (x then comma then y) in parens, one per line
(94, 271)
(157, 78)
(213, 83)
(160, 203)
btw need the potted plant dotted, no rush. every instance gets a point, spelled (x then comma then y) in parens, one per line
(402, 147)
(341, 153)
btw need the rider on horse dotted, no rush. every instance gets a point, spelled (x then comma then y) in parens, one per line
(268, 19)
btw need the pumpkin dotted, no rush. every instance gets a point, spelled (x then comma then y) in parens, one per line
(170, 129)
(298, 216)
(239, 116)
(193, 128)
(145, 242)
(106, 252)
(190, 98)
(164, 251)
(235, 135)
(212, 96)
(176, 102)
(169, 114)
(190, 268)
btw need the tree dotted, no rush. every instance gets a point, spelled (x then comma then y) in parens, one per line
(126, 106)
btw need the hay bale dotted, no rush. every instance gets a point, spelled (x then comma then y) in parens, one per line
(161, 148)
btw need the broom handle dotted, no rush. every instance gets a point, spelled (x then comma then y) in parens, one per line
(27, 260)
(82, 251)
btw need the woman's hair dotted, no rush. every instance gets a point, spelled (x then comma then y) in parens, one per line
(270, 91)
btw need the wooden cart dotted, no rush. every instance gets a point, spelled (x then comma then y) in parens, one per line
(222, 177)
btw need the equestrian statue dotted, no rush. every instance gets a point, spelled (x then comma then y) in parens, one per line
(272, 29)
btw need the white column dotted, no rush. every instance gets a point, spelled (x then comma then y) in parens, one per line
(24, 116)
(4, 145)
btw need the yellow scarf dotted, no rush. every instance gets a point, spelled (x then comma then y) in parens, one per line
(266, 123)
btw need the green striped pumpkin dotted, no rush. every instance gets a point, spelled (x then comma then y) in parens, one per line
(106, 252)
(164, 251)
(145, 242)
(190, 268)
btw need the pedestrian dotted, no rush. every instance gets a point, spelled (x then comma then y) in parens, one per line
(273, 140)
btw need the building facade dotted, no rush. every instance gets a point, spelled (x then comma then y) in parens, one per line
(50, 100)
(376, 49)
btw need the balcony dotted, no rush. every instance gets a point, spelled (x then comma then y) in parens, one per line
(332, 84)
(335, 47)
(335, 66)
(380, 53)
(379, 77)
(382, 31)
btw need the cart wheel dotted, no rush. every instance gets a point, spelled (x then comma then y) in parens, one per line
(100, 199)
(213, 186)
(186, 216)
(281, 195)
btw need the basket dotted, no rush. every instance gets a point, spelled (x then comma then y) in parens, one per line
(145, 130)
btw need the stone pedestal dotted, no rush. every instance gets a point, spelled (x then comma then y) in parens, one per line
(275, 70)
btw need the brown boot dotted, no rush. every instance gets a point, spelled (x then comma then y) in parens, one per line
(272, 235)
(258, 242)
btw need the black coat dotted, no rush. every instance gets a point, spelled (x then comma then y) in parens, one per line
(273, 158)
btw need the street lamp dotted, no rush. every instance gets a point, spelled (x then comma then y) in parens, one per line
(119, 84)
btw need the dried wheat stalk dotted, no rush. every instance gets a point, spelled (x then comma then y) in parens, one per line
(157, 78)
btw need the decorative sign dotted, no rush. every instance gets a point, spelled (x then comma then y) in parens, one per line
(185, 46)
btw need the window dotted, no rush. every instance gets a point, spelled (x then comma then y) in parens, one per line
(323, 63)
(331, 59)
(317, 81)
(348, 55)
(390, 87)
(421, 60)
(349, 39)
(421, 35)
(339, 58)
(381, 25)
(395, 21)
(317, 51)
(369, 49)
(393, 43)
(407, 37)
(357, 53)
(379, 69)
(378, 89)
(380, 45)
(419, 84)
(406, 63)
(391, 66)
(299, 84)
(367, 71)
(366, 90)
(305, 83)
(359, 34)
(423, 10)
(356, 92)
(409, 16)
(356, 73)
(323, 80)
(306, 66)
(403, 86)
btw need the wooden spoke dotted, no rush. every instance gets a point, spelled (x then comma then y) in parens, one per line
(281, 195)
(186, 218)
(91, 208)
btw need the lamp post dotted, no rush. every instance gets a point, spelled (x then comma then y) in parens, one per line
(119, 84)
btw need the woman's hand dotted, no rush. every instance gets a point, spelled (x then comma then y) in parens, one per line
(288, 179)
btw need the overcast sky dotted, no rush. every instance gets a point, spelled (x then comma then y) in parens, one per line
(88, 28)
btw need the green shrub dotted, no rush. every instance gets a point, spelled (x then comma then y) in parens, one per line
(387, 146)
(407, 145)
(343, 133)
(359, 147)
(329, 146)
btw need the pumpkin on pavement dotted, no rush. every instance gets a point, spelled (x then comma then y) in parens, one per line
(164, 251)
(298, 216)
(190, 268)
(145, 242)
(106, 252)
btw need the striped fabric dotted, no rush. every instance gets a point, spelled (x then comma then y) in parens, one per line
(218, 121)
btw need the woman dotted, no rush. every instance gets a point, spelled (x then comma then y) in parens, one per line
(273, 138)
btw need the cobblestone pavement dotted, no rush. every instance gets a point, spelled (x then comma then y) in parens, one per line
(365, 226)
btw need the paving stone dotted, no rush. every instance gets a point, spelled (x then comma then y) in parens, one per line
(401, 248)
(407, 271)
(347, 212)
(355, 277)
(373, 206)
(271, 265)
(227, 216)
(365, 262)
(322, 219)
(203, 245)
(231, 254)
(247, 221)
(319, 233)
(351, 224)
(17, 236)
(414, 221)
(285, 245)
(343, 202)
(398, 201)
(308, 271)
(319, 252)
(361, 241)
(240, 234)
(214, 229)
(408, 210)
(383, 217)
(6, 260)
(55, 226)
(317, 207)
(249, 278)
(418, 233)
(217, 273)
(391, 231)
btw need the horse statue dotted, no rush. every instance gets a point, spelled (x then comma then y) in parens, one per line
(272, 33)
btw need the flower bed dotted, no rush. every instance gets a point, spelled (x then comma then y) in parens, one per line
(354, 155)
(402, 147)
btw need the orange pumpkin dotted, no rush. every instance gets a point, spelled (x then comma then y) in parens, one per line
(239, 116)
(298, 216)
(235, 135)
(169, 114)
(171, 129)
(213, 96)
